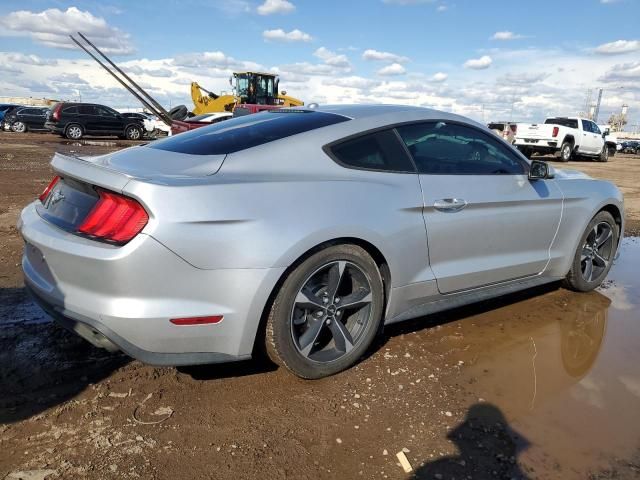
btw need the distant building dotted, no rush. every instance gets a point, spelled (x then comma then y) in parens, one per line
(30, 101)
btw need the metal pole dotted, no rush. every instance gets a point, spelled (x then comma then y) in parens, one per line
(166, 119)
(140, 89)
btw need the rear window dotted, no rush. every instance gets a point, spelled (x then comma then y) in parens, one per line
(247, 132)
(376, 151)
(565, 122)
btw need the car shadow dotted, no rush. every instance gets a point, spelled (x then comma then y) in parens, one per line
(488, 448)
(42, 364)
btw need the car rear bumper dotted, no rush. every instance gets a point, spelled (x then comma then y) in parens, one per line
(52, 127)
(123, 297)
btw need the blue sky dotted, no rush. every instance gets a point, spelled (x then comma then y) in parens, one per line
(485, 59)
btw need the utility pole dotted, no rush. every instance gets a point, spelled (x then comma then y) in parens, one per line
(596, 112)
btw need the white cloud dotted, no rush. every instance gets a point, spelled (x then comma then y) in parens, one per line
(279, 35)
(332, 58)
(623, 72)
(506, 35)
(393, 69)
(376, 55)
(439, 77)
(356, 82)
(152, 72)
(441, 8)
(52, 28)
(618, 47)
(269, 7)
(30, 59)
(479, 63)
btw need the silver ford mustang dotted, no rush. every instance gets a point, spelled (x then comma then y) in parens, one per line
(304, 231)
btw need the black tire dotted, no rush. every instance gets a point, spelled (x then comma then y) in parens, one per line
(578, 279)
(133, 133)
(179, 113)
(566, 151)
(282, 346)
(73, 131)
(604, 154)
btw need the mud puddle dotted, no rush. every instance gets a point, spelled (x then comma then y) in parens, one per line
(563, 376)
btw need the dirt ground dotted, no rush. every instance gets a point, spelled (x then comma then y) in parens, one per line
(519, 387)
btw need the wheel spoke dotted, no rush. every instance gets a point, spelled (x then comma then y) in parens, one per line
(599, 260)
(588, 270)
(604, 237)
(308, 339)
(307, 300)
(336, 272)
(359, 298)
(341, 336)
(586, 252)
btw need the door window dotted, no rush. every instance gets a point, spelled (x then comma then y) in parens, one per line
(375, 151)
(586, 126)
(87, 110)
(595, 128)
(440, 148)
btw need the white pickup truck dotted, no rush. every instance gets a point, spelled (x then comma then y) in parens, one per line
(566, 137)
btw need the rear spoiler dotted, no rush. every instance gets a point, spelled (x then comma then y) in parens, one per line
(89, 170)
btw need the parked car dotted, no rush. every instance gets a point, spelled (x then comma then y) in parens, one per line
(305, 229)
(631, 146)
(22, 119)
(197, 121)
(4, 108)
(75, 120)
(505, 130)
(565, 137)
(152, 125)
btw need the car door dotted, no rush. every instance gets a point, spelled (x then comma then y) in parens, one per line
(598, 138)
(486, 221)
(111, 122)
(88, 117)
(587, 145)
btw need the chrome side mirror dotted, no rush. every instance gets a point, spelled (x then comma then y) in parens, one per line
(540, 170)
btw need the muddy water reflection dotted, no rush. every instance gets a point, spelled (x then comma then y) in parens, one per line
(564, 369)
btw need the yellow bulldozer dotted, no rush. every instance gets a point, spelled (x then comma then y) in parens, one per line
(248, 88)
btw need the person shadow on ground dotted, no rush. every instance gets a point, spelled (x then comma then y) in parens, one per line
(488, 448)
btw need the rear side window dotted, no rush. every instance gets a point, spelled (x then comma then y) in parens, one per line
(71, 110)
(87, 110)
(247, 132)
(440, 148)
(565, 122)
(376, 151)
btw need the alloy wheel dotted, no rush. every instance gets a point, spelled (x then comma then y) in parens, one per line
(596, 251)
(18, 127)
(74, 132)
(133, 133)
(331, 311)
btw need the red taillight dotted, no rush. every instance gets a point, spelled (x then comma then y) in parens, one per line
(114, 218)
(43, 196)
(555, 132)
(197, 320)
(56, 112)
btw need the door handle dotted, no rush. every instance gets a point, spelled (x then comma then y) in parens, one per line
(450, 205)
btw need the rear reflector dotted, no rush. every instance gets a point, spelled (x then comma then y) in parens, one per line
(43, 196)
(197, 320)
(114, 218)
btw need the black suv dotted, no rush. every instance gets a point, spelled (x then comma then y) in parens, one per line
(22, 119)
(74, 120)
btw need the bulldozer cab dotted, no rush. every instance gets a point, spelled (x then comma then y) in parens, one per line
(256, 88)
